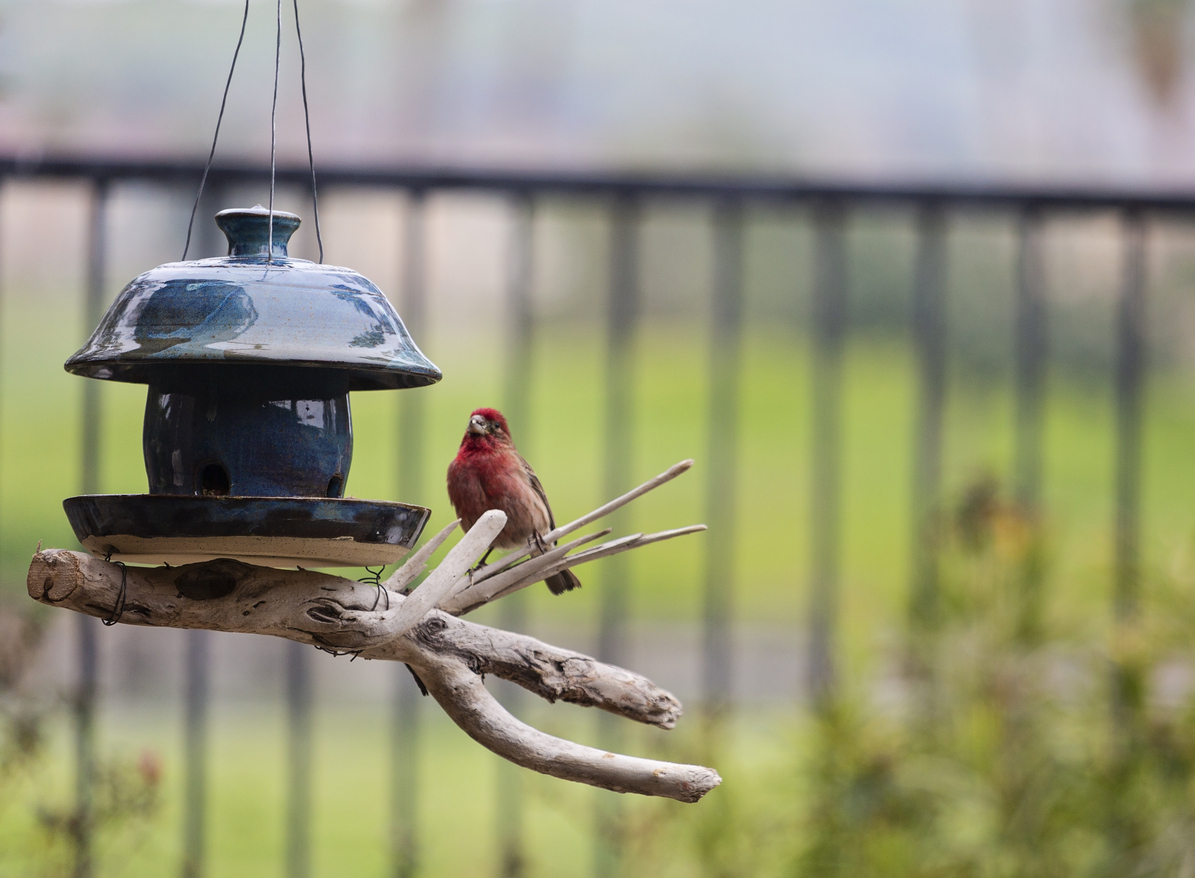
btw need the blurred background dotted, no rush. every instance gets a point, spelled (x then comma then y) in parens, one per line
(911, 281)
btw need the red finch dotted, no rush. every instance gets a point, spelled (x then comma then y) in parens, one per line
(489, 473)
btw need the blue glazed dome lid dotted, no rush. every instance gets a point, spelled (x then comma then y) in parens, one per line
(255, 307)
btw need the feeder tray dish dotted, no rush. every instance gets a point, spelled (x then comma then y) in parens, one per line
(271, 531)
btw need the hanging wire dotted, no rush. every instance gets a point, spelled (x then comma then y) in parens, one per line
(211, 155)
(274, 132)
(319, 238)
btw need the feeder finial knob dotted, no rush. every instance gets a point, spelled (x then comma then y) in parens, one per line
(248, 230)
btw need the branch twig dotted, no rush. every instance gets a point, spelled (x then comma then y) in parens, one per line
(417, 563)
(617, 503)
(465, 600)
(449, 654)
(455, 564)
(460, 692)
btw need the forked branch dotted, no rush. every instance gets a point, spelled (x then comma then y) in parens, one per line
(450, 655)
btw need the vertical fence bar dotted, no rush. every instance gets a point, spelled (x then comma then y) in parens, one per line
(86, 626)
(1031, 342)
(1030, 362)
(196, 664)
(1130, 371)
(404, 830)
(3, 181)
(725, 366)
(517, 403)
(621, 316)
(929, 333)
(829, 330)
(299, 722)
(197, 646)
(1127, 687)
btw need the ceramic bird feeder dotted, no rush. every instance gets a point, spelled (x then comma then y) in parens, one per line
(250, 359)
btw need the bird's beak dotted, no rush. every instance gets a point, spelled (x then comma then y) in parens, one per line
(476, 425)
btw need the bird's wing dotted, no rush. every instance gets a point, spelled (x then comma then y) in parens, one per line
(533, 479)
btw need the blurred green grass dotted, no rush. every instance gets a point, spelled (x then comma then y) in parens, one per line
(351, 798)
(39, 451)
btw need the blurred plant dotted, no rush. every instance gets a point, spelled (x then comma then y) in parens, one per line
(1008, 737)
(746, 829)
(1025, 749)
(21, 718)
(125, 794)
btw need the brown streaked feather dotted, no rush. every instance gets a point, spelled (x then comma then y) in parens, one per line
(565, 580)
(538, 488)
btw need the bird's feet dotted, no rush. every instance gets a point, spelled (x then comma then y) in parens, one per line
(480, 564)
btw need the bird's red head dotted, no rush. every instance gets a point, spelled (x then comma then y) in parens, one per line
(487, 423)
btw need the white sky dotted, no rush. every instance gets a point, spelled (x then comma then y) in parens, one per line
(990, 89)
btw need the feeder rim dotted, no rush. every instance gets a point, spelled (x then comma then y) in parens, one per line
(362, 376)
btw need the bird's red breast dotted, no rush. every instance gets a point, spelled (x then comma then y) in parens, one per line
(488, 473)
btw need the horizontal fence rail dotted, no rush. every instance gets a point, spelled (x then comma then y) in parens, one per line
(960, 194)
(623, 195)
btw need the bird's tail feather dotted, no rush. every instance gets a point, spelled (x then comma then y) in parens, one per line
(563, 581)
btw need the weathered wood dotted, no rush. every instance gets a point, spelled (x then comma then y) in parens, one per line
(552, 673)
(651, 484)
(455, 565)
(471, 594)
(460, 692)
(450, 656)
(415, 564)
(336, 614)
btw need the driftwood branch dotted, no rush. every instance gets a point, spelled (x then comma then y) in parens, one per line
(460, 692)
(451, 656)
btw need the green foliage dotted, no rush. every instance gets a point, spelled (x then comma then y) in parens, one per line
(39, 832)
(1024, 745)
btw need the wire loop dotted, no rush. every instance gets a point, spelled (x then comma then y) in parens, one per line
(118, 607)
(375, 579)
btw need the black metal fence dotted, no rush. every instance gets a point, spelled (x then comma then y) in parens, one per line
(624, 196)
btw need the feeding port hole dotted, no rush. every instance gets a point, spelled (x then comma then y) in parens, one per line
(213, 480)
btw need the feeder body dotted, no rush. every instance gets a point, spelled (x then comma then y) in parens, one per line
(248, 439)
(249, 432)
